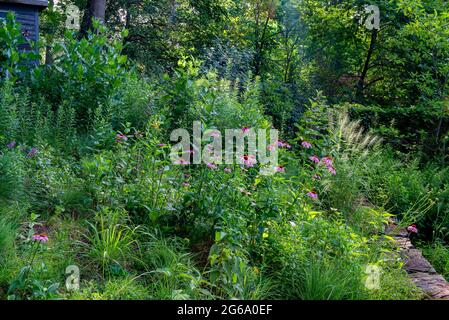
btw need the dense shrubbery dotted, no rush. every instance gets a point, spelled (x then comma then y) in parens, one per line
(84, 165)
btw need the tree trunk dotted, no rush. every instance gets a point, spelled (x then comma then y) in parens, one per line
(366, 66)
(49, 39)
(95, 9)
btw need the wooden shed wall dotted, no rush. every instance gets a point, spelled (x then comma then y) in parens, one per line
(27, 16)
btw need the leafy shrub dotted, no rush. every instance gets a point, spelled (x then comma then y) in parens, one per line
(83, 76)
(12, 174)
(14, 61)
(438, 256)
(132, 102)
(188, 97)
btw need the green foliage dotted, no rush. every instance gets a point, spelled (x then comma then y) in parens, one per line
(11, 176)
(170, 271)
(84, 150)
(84, 75)
(126, 288)
(110, 242)
(325, 282)
(14, 61)
(213, 101)
(7, 237)
(438, 255)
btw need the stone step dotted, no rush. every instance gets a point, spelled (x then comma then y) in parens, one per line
(420, 271)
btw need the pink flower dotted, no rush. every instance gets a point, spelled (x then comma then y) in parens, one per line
(412, 228)
(312, 195)
(181, 161)
(161, 145)
(314, 159)
(32, 152)
(271, 147)
(211, 165)
(245, 130)
(11, 145)
(327, 161)
(215, 134)
(185, 184)
(331, 170)
(282, 144)
(306, 144)
(249, 160)
(280, 169)
(120, 137)
(40, 237)
(227, 170)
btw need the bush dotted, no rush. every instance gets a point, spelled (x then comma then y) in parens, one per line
(83, 76)
(438, 255)
(215, 102)
(14, 61)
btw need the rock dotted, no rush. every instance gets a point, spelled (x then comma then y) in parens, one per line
(404, 243)
(421, 272)
(434, 285)
(417, 263)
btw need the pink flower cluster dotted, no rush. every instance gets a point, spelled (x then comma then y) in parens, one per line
(271, 147)
(211, 165)
(280, 169)
(32, 152)
(412, 228)
(181, 161)
(11, 145)
(282, 144)
(306, 145)
(40, 237)
(314, 159)
(249, 160)
(312, 195)
(120, 137)
(326, 161)
(329, 165)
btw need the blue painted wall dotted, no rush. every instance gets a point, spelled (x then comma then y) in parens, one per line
(27, 16)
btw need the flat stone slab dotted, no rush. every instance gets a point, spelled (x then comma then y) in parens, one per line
(433, 285)
(404, 244)
(420, 271)
(415, 262)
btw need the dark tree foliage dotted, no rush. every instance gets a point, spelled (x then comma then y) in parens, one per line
(394, 77)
